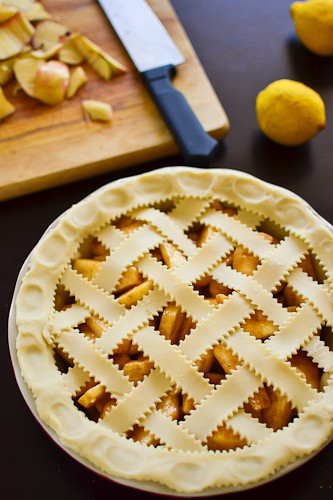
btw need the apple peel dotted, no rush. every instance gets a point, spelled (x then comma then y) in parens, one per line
(48, 53)
(47, 34)
(68, 53)
(103, 64)
(51, 82)
(14, 35)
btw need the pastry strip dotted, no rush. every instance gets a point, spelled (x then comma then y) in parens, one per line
(187, 210)
(238, 232)
(168, 228)
(135, 404)
(170, 360)
(292, 334)
(205, 258)
(207, 333)
(248, 218)
(320, 353)
(248, 427)
(75, 378)
(183, 294)
(278, 373)
(133, 319)
(315, 293)
(253, 291)
(98, 301)
(94, 361)
(110, 236)
(222, 403)
(170, 433)
(70, 317)
(280, 261)
(141, 241)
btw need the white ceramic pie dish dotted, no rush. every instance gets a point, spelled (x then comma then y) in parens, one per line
(143, 485)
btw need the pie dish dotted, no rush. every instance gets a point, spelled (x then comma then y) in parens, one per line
(176, 327)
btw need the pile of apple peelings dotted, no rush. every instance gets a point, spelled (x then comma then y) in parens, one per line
(38, 51)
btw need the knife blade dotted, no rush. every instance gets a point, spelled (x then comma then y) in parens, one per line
(155, 56)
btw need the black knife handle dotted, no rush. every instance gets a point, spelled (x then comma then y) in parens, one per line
(196, 146)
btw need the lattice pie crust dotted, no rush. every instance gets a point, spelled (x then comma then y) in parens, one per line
(240, 386)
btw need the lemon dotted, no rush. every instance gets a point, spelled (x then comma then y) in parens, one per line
(314, 25)
(289, 112)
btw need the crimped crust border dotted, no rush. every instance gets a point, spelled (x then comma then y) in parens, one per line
(186, 472)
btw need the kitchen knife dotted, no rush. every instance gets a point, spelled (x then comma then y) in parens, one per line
(156, 56)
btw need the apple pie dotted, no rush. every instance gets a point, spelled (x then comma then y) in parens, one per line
(176, 327)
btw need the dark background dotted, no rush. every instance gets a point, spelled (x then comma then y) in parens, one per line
(243, 46)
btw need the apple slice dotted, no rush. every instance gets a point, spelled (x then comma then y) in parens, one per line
(6, 71)
(25, 70)
(104, 65)
(69, 54)
(47, 34)
(6, 12)
(14, 35)
(77, 78)
(37, 13)
(51, 82)
(6, 108)
(48, 53)
(97, 110)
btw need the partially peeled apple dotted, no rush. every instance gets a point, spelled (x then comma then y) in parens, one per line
(51, 82)
(46, 81)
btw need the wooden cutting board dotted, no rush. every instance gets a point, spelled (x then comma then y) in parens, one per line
(43, 146)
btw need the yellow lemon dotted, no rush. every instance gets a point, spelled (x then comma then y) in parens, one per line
(314, 25)
(289, 112)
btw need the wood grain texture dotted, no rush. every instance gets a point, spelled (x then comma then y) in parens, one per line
(43, 146)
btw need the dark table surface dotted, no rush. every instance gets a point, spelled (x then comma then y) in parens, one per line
(243, 46)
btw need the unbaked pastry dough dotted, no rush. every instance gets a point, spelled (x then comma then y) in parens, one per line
(182, 460)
